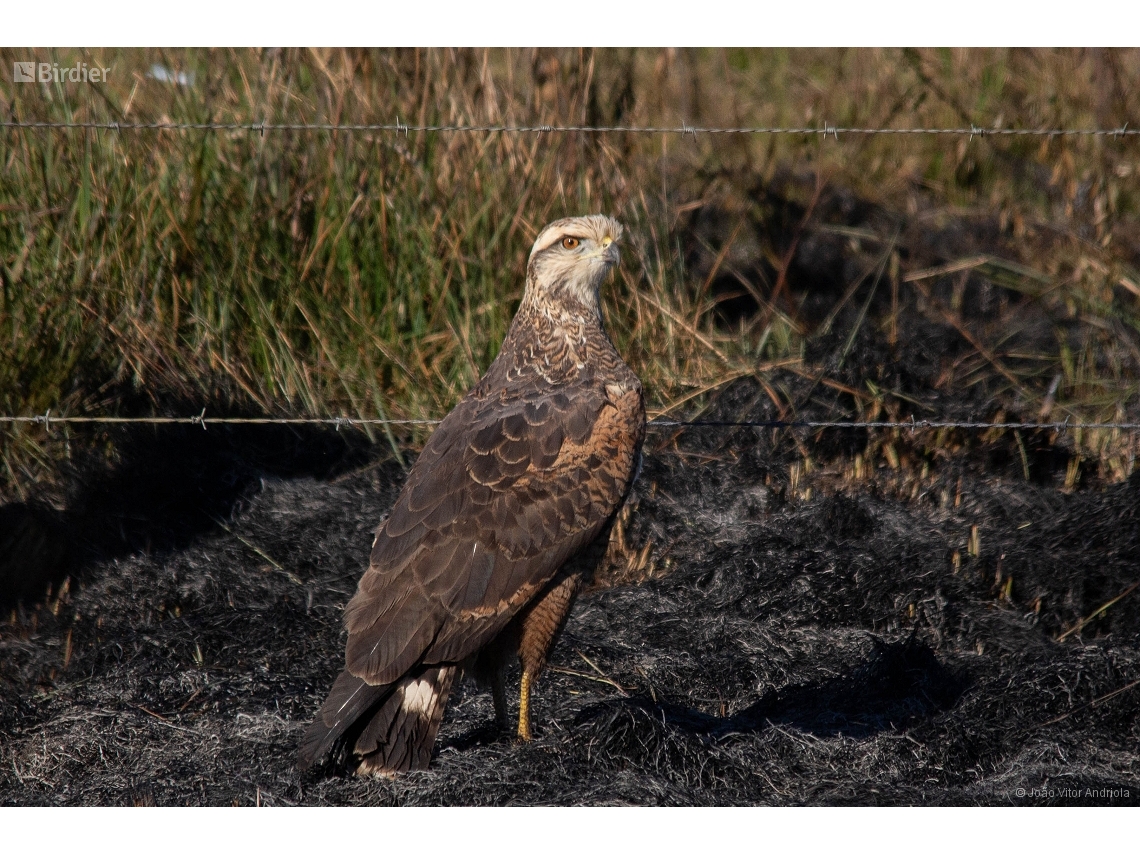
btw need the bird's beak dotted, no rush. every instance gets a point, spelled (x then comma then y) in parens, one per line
(610, 250)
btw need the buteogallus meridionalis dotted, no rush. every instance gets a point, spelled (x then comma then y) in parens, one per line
(503, 518)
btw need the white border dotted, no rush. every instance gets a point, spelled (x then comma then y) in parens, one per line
(172, 23)
(552, 831)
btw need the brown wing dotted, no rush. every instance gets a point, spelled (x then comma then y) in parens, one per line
(503, 494)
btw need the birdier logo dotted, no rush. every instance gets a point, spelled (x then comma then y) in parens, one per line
(51, 72)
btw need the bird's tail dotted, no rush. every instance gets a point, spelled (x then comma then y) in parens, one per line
(349, 702)
(391, 728)
(401, 733)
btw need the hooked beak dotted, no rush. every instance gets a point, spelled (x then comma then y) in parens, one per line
(609, 251)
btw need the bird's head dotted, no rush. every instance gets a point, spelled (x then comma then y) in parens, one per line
(569, 260)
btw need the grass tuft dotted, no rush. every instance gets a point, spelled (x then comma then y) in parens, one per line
(374, 274)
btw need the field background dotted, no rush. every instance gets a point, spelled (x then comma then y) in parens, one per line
(373, 274)
(889, 616)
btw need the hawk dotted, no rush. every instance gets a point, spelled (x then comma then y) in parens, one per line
(503, 518)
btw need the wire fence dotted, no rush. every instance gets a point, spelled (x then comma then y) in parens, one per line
(204, 421)
(398, 127)
(826, 130)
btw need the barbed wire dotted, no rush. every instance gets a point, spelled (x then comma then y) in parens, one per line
(343, 421)
(910, 424)
(825, 130)
(204, 421)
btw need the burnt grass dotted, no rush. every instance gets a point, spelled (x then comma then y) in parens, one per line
(915, 634)
(783, 651)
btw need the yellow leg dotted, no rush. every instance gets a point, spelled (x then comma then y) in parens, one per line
(524, 707)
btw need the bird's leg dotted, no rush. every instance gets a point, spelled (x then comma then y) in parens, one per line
(499, 693)
(490, 669)
(524, 707)
(540, 628)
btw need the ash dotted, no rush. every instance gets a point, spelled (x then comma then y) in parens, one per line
(789, 638)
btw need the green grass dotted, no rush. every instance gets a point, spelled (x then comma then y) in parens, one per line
(373, 274)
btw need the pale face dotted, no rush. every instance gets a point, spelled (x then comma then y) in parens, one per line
(572, 256)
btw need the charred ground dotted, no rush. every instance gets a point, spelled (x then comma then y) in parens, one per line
(782, 650)
(835, 617)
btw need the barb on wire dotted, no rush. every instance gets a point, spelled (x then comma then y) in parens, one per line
(683, 129)
(337, 422)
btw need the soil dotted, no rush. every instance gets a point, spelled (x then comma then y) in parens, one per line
(793, 617)
(815, 644)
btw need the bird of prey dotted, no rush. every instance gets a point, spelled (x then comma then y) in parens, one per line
(503, 518)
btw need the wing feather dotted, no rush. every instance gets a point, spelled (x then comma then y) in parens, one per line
(480, 571)
(502, 495)
(383, 650)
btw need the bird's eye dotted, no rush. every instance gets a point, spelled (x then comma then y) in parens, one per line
(570, 243)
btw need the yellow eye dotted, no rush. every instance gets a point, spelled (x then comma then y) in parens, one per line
(570, 242)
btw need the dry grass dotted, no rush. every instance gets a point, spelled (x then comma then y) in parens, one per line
(371, 274)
